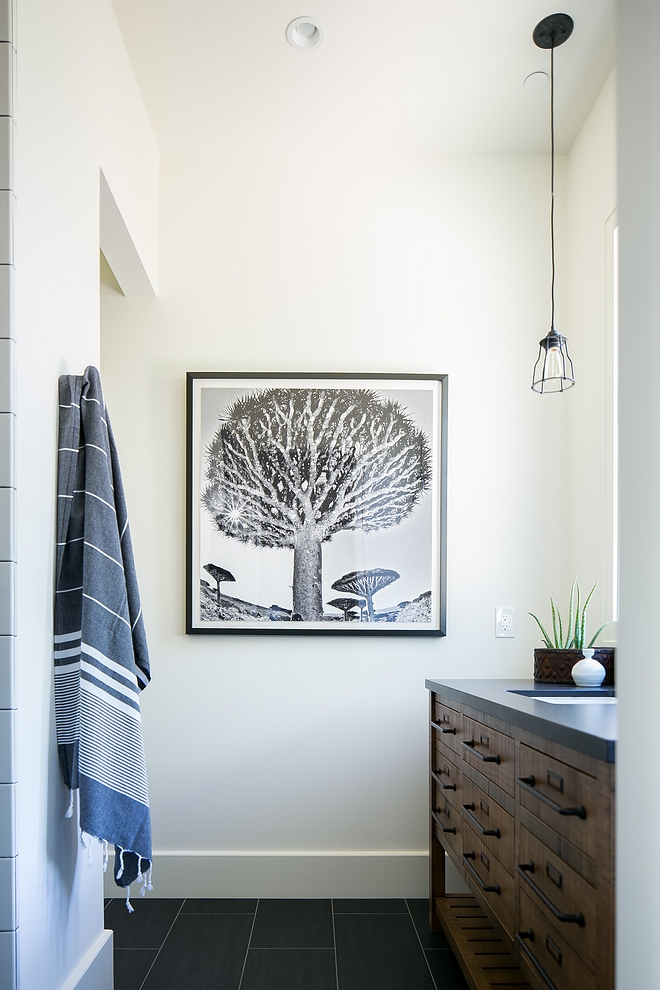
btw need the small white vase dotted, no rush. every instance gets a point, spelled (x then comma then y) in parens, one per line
(588, 672)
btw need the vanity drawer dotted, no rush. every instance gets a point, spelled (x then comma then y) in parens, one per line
(490, 752)
(562, 796)
(448, 780)
(490, 822)
(447, 726)
(440, 703)
(567, 893)
(448, 826)
(488, 877)
(547, 946)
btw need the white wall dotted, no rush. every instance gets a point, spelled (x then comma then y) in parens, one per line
(78, 110)
(336, 263)
(274, 263)
(638, 800)
(591, 201)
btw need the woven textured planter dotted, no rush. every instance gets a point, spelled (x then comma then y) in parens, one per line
(554, 666)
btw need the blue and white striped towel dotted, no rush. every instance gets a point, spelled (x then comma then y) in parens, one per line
(101, 657)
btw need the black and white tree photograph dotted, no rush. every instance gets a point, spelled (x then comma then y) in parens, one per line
(316, 504)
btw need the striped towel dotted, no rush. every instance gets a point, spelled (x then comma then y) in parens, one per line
(101, 658)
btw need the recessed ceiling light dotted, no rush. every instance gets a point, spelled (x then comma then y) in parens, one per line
(304, 33)
(536, 81)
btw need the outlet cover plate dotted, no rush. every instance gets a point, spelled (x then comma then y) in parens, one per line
(504, 617)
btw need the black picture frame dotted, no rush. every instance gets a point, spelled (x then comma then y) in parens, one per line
(221, 467)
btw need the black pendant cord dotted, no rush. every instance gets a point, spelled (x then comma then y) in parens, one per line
(553, 370)
(552, 181)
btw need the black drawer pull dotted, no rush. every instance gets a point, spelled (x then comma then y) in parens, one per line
(524, 869)
(529, 784)
(470, 744)
(554, 876)
(554, 950)
(467, 808)
(520, 939)
(436, 725)
(489, 888)
(443, 827)
(445, 787)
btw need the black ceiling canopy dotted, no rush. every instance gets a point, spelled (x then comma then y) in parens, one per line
(553, 31)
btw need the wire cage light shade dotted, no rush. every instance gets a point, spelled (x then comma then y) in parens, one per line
(553, 371)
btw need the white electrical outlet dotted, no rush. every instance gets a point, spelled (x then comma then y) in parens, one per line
(504, 622)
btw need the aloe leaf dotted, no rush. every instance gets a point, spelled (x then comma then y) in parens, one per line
(561, 631)
(586, 604)
(577, 642)
(569, 631)
(546, 638)
(554, 622)
(589, 595)
(595, 637)
(584, 616)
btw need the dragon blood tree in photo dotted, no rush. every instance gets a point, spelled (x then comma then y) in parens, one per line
(292, 467)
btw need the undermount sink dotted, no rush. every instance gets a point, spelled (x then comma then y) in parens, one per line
(568, 695)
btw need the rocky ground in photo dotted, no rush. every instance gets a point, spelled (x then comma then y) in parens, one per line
(418, 610)
(229, 609)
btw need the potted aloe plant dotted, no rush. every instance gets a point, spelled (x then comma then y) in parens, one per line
(554, 662)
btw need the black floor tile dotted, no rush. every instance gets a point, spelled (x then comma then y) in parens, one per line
(219, 905)
(379, 951)
(147, 927)
(202, 952)
(446, 971)
(374, 905)
(293, 924)
(131, 967)
(290, 969)
(419, 909)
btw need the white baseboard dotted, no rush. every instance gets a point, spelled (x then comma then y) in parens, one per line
(95, 970)
(210, 874)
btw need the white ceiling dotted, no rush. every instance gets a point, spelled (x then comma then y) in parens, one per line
(392, 76)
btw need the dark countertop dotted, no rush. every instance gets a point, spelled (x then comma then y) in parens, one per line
(590, 729)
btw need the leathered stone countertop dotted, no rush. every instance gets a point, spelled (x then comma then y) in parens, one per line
(589, 728)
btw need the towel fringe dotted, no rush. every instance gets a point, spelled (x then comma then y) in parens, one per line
(129, 906)
(105, 855)
(146, 878)
(69, 811)
(86, 842)
(120, 872)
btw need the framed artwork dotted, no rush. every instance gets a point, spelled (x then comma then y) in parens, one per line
(316, 504)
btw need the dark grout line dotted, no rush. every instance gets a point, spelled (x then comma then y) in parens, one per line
(426, 958)
(334, 940)
(162, 944)
(371, 914)
(254, 918)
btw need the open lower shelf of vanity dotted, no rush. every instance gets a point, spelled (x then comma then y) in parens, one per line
(484, 957)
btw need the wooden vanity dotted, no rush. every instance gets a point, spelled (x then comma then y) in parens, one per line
(522, 802)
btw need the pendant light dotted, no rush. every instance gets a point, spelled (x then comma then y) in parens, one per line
(553, 371)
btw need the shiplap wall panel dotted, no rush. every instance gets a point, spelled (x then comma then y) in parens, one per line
(8, 784)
